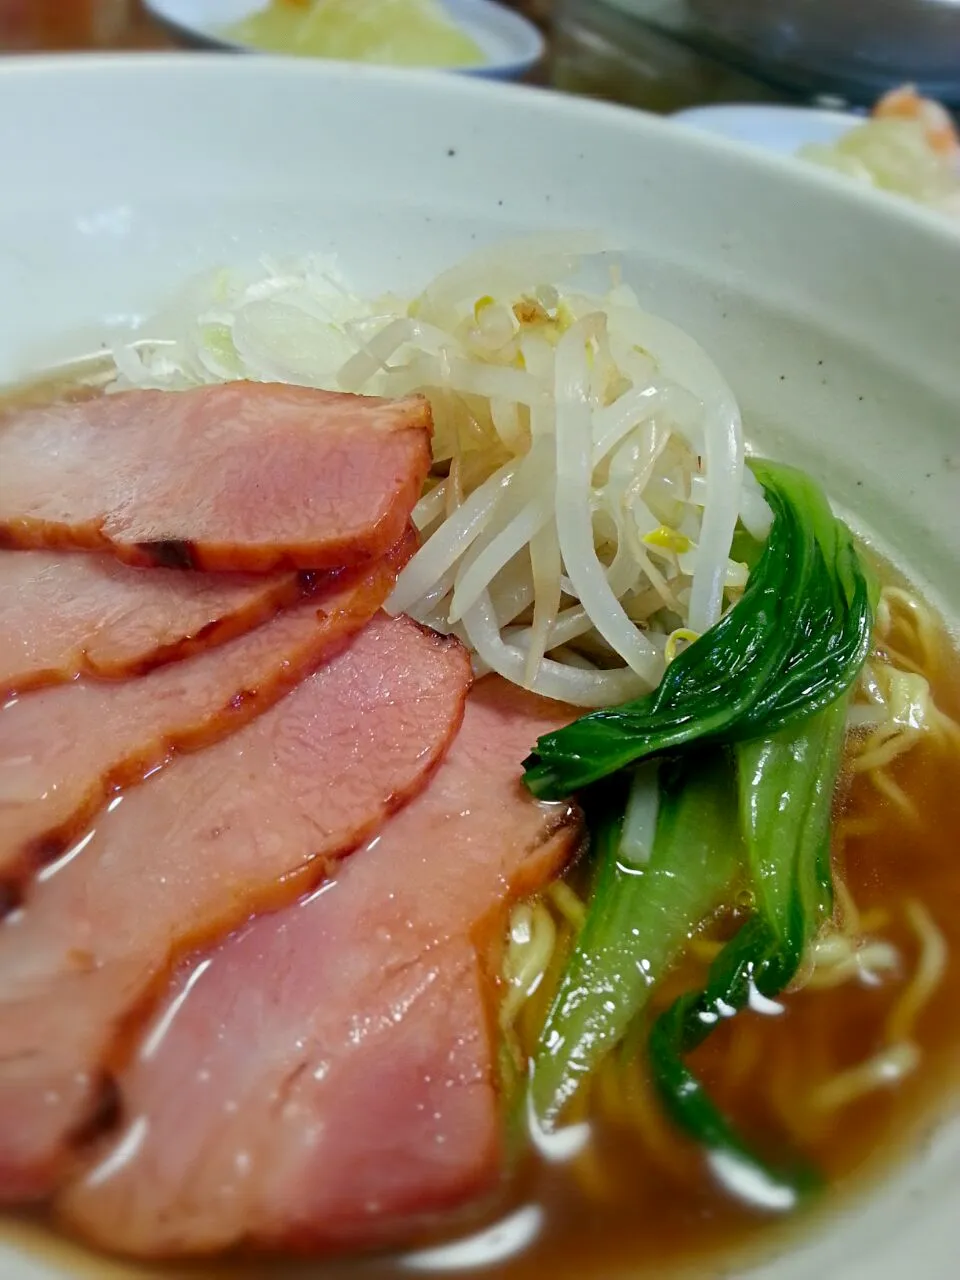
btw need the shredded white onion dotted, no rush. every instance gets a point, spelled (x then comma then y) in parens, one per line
(594, 453)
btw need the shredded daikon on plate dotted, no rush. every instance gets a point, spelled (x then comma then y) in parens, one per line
(405, 33)
(588, 456)
(909, 146)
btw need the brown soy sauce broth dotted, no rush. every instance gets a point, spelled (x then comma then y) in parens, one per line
(67, 384)
(638, 1200)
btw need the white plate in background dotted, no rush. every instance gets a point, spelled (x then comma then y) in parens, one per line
(511, 43)
(781, 129)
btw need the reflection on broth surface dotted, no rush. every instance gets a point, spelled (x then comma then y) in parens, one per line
(841, 1069)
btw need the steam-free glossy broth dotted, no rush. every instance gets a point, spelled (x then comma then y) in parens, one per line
(638, 1196)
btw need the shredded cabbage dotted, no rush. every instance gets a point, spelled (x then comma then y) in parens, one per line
(909, 146)
(588, 456)
(412, 33)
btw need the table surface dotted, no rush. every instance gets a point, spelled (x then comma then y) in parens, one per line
(32, 26)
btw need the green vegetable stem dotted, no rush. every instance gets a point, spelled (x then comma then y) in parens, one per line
(786, 786)
(641, 917)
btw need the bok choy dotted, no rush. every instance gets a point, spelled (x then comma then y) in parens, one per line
(756, 705)
(641, 916)
(786, 786)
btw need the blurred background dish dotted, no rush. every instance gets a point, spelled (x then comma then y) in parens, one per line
(665, 55)
(908, 145)
(660, 55)
(814, 47)
(782, 129)
(475, 37)
(618, 50)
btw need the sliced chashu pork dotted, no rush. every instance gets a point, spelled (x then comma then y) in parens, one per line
(249, 823)
(236, 476)
(327, 1076)
(64, 615)
(64, 750)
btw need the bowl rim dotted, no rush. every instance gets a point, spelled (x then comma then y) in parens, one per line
(870, 201)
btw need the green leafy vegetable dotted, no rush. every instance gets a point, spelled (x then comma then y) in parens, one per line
(769, 681)
(791, 646)
(678, 1031)
(639, 918)
(786, 786)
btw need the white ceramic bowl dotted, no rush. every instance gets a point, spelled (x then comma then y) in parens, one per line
(835, 316)
(512, 45)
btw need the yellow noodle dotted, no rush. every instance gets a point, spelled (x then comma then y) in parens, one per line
(645, 1117)
(862, 958)
(705, 950)
(856, 828)
(942, 724)
(888, 1067)
(899, 659)
(745, 1054)
(899, 622)
(905, 610)
(844, 951)
(594, 1177)
(848, 913)
(806, 971)
(874, 918)
(918, 617)
(890, 743)
(790, 1073)
(900, 1055)
(533, 936)
(570, 906)
(608, 1090)
(927, 975)
(894, 793)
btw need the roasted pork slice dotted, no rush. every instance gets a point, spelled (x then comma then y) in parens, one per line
(64, 615)
(65, 750)
(326, 1077)
(237, 476)
(249, 823)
